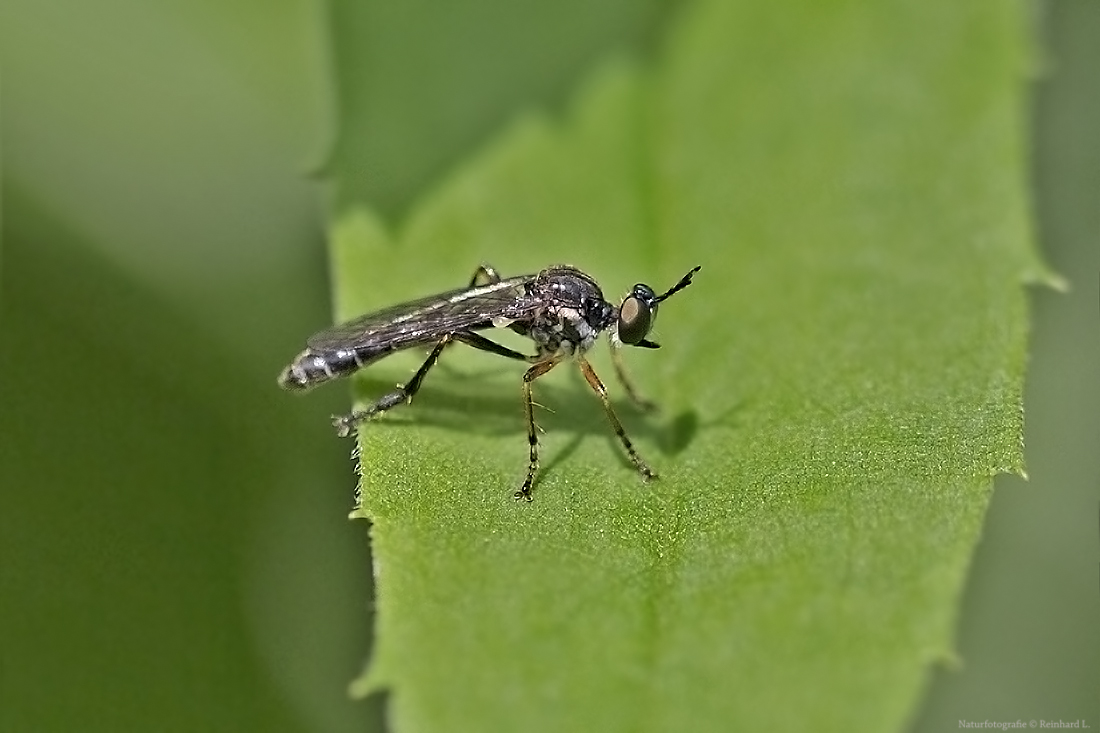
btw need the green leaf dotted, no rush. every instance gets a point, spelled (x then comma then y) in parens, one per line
(838, 386)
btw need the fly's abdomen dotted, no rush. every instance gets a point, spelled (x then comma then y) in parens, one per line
(311, 368)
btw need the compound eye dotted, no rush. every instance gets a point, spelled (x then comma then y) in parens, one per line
(635, 318)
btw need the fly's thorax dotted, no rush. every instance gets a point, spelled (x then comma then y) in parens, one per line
(566, 286)
(566, 330)
(573, 311)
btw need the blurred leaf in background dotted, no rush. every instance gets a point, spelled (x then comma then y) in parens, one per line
(422, 84)
(159, 241)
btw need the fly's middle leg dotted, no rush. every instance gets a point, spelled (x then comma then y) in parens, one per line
(532, 430)
(601, 392)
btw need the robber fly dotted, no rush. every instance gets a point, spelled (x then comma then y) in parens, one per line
(560, 308)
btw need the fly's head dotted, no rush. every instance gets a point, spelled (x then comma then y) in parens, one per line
(638, 312)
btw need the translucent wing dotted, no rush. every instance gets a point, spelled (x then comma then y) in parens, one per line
(427, 319)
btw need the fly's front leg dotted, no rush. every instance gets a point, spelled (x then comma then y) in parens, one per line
(601, 392)
(628, 385)
(532, 430)
(344, 424)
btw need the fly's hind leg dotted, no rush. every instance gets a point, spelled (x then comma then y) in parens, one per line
(344, 424)
(485, 271)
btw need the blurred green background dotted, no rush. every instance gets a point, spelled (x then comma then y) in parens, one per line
(174, 549)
